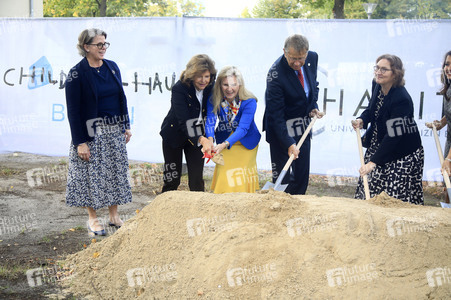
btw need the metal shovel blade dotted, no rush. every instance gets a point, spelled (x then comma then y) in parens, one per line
(269, 185)
(278, 186)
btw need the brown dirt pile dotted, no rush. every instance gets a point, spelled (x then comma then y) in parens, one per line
(187, 245)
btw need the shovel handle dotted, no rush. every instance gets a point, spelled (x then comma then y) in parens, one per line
(440, 156)
(362, 162)
(298, 146)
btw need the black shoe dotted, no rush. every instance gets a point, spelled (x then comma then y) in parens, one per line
(112, 224)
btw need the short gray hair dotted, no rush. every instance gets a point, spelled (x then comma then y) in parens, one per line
(86, 37)
(297, 42)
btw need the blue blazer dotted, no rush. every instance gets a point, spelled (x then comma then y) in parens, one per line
(397, 131)
(286, 100)
(81, 99)
(243, 126)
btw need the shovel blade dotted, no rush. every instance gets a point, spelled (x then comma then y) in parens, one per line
(268, 185)
(277, 187)
(280, 187)
(445, 205)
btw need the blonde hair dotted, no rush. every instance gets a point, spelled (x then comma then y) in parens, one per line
(196, 66)
(86, 37)
(218, 95)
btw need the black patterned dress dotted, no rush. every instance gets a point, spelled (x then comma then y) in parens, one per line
(400, 179)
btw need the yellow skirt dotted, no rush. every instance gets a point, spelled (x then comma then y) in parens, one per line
(239, 172)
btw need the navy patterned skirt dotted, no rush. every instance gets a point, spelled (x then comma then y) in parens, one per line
(104, 179)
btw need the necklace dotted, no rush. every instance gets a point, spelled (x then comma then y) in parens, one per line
(98, 68)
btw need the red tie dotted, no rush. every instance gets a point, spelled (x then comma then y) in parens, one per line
(301, 78)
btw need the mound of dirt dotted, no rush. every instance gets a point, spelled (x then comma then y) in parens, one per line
(188, 245)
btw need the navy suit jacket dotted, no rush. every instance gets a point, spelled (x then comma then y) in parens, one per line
(397, 131)
(81, 100)
(243, 126)
(179, 125)
(286, 101)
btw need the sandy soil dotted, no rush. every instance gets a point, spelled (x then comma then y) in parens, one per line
(182, 245)
(37, 228)
(270, 246)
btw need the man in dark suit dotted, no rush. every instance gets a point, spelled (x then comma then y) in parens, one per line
(291, 101)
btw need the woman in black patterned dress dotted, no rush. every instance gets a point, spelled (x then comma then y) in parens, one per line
(100, 128)
(394, 158)
(446, 119)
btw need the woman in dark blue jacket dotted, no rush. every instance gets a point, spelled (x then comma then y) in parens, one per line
(183, 127)
(394, 159)
(236, 134)
(100, 128)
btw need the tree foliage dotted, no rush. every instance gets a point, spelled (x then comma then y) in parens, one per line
(413, 9)
(351, 9)
(121, 8)
(283, 9)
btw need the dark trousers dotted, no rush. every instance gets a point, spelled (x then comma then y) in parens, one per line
(173, 167)
(297, 176)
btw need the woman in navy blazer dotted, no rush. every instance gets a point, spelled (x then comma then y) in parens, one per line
(236, 134)
(394, 159)
(100, 128)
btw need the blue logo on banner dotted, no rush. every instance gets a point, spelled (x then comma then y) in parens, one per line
(41, 72)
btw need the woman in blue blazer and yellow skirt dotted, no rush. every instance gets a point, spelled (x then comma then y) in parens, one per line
(232, 108)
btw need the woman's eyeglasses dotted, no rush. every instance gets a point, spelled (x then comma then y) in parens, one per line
(382, 70)
(101, 45)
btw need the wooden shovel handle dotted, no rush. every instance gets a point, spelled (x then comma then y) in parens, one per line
(298, 146)
(440, 156)
(362, 162)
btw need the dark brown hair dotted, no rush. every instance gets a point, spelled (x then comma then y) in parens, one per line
(445, 80)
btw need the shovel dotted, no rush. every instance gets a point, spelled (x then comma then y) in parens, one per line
(362, 162)
(278, 186)
(440, 156)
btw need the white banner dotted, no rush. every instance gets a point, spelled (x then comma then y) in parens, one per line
(36, 54)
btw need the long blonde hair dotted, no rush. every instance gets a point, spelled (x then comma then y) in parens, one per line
(218, 95)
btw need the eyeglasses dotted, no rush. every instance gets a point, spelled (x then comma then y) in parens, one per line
(294, 59)
(101, 45)
(382, 70)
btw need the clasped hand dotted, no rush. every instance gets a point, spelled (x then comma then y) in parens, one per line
(207, 145)
(367, 168)
(438, 124)
(358, 123)
(317, 113)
